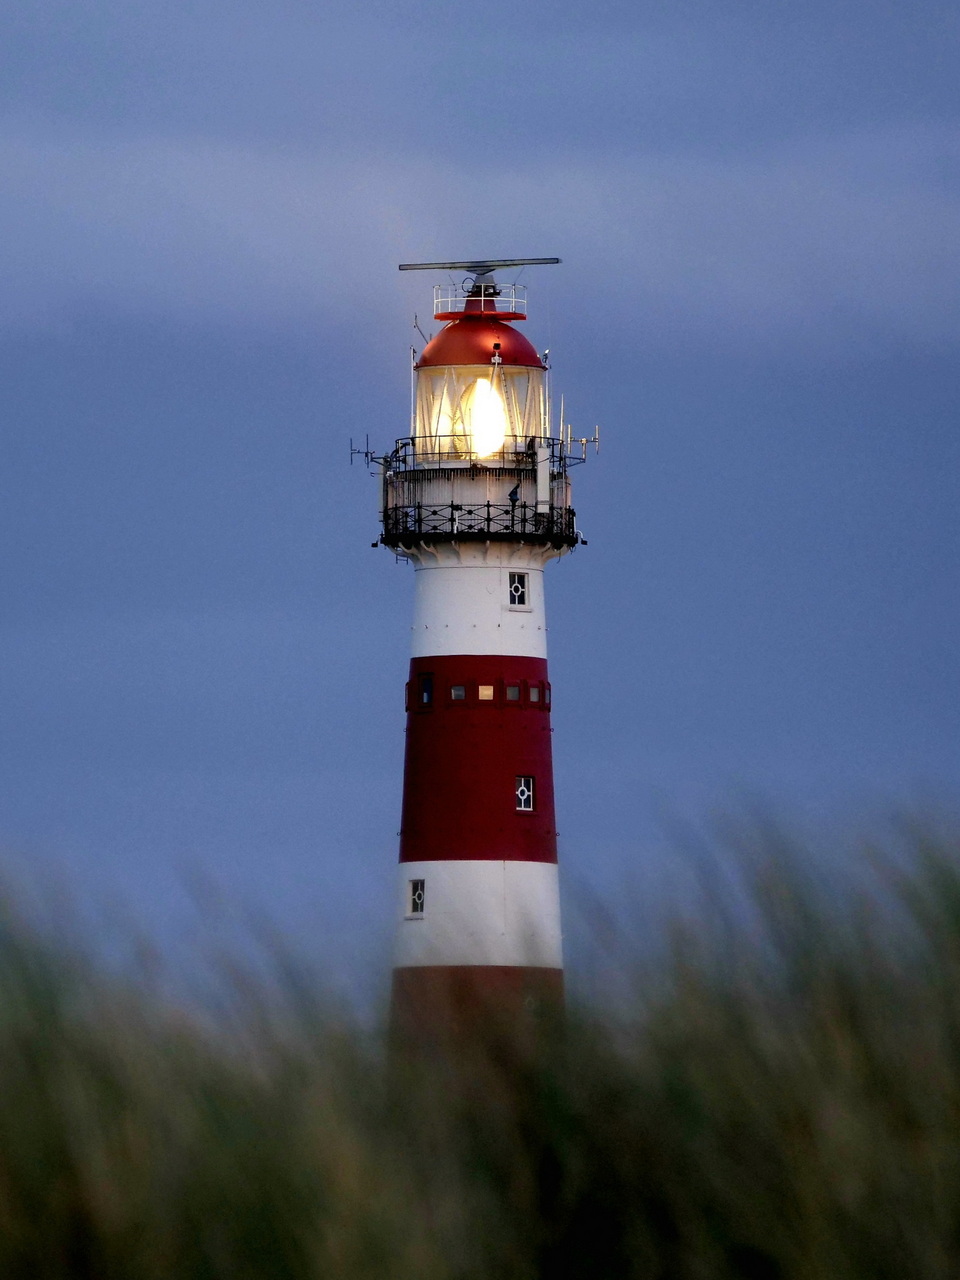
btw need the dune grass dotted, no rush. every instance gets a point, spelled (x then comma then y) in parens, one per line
(777, 1096)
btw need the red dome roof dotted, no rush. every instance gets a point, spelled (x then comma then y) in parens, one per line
(471, 341)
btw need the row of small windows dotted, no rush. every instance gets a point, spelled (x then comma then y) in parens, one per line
(519, 692)
(485, 692)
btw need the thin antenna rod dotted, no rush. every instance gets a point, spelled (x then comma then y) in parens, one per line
(413, 390)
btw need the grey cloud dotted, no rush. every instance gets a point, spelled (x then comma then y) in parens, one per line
(802, 244)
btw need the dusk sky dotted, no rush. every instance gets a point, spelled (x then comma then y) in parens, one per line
(203, 208)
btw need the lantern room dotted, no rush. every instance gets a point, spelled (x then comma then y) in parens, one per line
(481, 461)
(480, 390)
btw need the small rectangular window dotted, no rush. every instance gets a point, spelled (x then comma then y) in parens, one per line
(546, 694)
(485, 692)
(458, 692)
(517, 590)
(534, 693)
(415, 897)
(524, 794)
(513, 693)
(426, 690)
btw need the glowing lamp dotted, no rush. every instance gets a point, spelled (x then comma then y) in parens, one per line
(485, 417)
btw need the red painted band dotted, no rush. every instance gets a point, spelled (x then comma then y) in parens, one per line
(464, 755)
(501, 315)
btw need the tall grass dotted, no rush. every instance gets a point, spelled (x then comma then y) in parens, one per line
(777, 1097)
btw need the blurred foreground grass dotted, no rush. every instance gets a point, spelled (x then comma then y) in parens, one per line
(776, 1096)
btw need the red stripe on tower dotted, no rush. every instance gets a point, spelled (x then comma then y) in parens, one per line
(478, 499)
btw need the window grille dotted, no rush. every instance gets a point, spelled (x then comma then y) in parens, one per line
(524, 794)
(517, 590)
(416, 898)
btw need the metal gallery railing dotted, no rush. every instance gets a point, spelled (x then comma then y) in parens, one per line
(499, 521)
(453, 451)
(508, 298)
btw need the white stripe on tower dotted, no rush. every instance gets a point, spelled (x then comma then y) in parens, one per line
(462, 600)
(481, 912)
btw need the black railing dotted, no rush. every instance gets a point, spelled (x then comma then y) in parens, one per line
(414, 453)
(422, 522)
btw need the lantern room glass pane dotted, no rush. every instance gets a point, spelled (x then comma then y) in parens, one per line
(477, 411)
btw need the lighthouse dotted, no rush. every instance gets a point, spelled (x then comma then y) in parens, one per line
(477, 499)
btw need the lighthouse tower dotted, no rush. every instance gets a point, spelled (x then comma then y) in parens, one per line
(477, 498)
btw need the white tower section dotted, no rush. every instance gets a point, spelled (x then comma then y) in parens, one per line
(480, 598)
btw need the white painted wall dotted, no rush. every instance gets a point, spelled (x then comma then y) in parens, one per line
(462, 602)
(481, 912)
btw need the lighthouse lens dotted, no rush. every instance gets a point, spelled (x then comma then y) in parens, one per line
(486, 418)
(476, 411)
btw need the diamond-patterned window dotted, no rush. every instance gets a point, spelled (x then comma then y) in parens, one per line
(524, 794)
(415, 898)
(517, 590)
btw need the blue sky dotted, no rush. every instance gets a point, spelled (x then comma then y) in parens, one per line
(203, 207)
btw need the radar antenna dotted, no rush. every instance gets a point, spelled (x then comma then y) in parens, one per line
(479, 282)
(479, 267)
